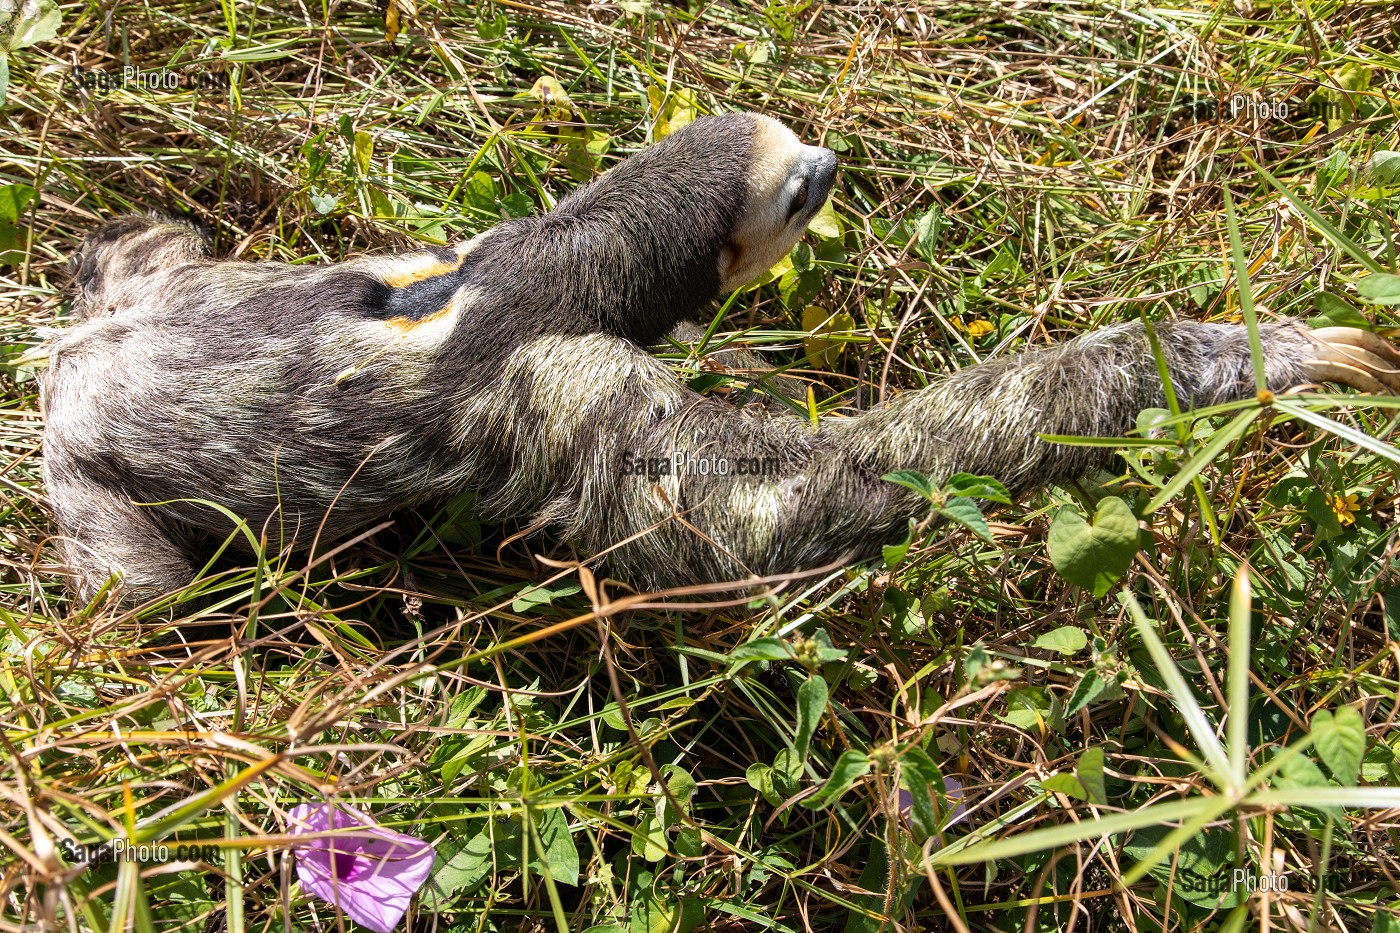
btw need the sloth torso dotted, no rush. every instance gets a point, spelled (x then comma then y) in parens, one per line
(240, 370)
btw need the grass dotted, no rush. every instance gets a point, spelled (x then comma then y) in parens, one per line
(586, 759)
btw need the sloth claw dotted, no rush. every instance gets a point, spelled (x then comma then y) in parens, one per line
(1355, 358)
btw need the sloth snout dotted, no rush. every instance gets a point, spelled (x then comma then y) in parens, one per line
(819, 168)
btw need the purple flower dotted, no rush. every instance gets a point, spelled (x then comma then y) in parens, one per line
(952, 788)
(370, 874)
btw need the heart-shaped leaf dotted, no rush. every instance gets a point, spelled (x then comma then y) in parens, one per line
(1094, 556)
(1340, 740)
(1067, 639)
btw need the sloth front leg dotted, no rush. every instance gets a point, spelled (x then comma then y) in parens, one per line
(640, 463)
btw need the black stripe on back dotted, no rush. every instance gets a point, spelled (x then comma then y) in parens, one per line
(422, 298)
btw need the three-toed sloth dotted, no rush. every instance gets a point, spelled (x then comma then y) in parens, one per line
(311, 400)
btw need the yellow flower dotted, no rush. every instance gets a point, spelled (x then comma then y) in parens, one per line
(1344, 507)
(981, 328)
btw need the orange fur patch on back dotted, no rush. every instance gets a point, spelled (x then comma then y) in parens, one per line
(417, 269)
(406, 325)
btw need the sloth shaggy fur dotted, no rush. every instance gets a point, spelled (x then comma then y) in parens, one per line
(313, 400)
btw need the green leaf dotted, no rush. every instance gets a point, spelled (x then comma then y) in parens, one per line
(542, 596)
(801, 256)
(518, 204)
(976, 661)
(1387, 920)
(1089, 770)
(811, 705)
(650, 840)
(767, 648)
(651, 907)
(1094, 557)
(912, 479)
(34, 22)
(560, 853)
(1204, 283)
(826, 652)
(612, 716)
(929, 227)
(363, 151)
(818, 323)
(976, 487)
(461, 867)
(1091, 687)
(480, 192)
(966, 513)
(921, 775)
(1383, 169)
(1333, 311)
(13, 200)
(1333, 171)
(1199, 870)
(1067, 639)
(1337, 94)
(760, 777)
(894, 554)
(1380, 288)
(1340, 741)
(787, 768)
(1067, 784)
(849, 768)
(682, 787)
(826, 222)
(1029, 708)
(1301, 773)
(1326, 525)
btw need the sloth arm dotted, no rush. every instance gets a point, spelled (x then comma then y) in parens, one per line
(819, 497)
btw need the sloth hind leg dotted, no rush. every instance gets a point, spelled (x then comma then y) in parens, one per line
(111, 268)
(107, 535)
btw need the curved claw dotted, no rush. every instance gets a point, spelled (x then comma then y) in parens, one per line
(1343, 374)
(1355, 358)
(1361, 340)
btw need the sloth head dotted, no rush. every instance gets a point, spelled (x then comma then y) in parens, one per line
(786, 184)
(706, 210)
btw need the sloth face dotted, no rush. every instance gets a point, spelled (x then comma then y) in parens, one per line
(787, 184)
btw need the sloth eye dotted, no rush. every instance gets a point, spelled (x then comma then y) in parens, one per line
(799, 199)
